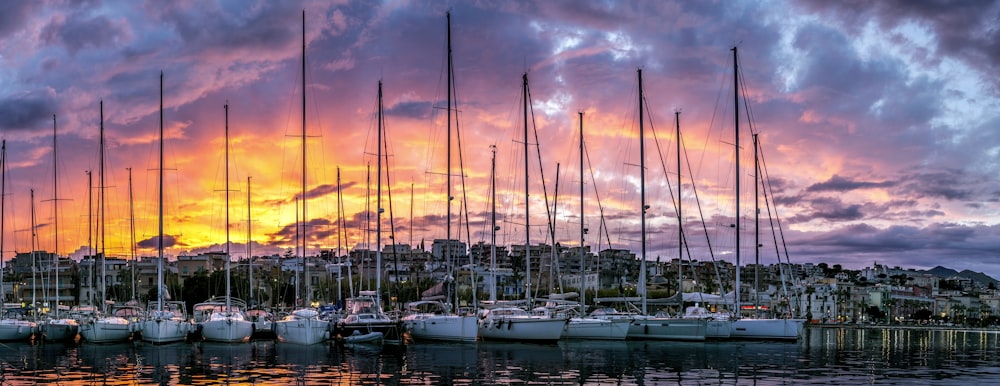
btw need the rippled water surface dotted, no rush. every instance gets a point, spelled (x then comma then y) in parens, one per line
(823, 356)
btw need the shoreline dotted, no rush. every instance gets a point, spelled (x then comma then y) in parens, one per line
(902, 327)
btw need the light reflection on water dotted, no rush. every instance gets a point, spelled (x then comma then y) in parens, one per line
(824, 355)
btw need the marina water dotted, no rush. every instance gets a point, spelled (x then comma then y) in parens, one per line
(822, 356)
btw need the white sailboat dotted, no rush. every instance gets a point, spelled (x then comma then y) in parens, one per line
(165, 321)
(365, 313)
(431, 319)
(263, 321)
(513, 323)
(753, 328)
(661, 326)
(13, 326)
(57, 328)
(227, 323)
(303, 326)
(104, 328)
(717, 324)
(581, 326)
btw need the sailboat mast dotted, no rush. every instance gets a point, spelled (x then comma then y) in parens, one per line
(493, 224)
(305, 266)
(736, 120)
(34, 266)
(228, 258)
(90, 231)
(249, 256)
(642, 195)
(55, 210)
(100, 204)
(378, 204)
(552, 233)
(583, 272)
(527, 217)
(756, 227)
(131, 228)
(159, 243)
(680, 216)
(447, 253)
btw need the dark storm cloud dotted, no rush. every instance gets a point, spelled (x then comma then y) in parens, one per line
(947, 184)
(26, 112)
(266, 25)
(14, 14)
(840, 184)
(80, 31)
(316, 192)
(966, 29)
(317, 230)
(151, 243)
(411, 109)
(829, 209)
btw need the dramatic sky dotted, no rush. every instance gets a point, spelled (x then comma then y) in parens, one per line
(878, 124)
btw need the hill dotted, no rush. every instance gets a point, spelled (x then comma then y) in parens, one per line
(977, 277)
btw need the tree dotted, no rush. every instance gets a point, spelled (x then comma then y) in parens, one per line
(875, 313)
(195, 290)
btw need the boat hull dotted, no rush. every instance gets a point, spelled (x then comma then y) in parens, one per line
(165, 330)
(16, 330)
(230, 329)
(667, 329)
(371, 337)
(718, 329)
(442, 327)
(767, 329)
(392, 331)
(302, 331)
(263, 329)
(533, 329)
(593, 328)
(106, 330)
(60, 330)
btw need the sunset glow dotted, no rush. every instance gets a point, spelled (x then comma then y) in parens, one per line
(878, 122)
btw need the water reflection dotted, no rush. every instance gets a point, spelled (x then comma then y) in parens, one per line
(830, 355)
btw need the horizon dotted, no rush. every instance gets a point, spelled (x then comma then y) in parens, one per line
(876, 124)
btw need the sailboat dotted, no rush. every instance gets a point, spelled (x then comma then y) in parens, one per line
(583, 327)
(261, 319)
(104, 328)
(647, 326)
(717, 324)
(753, 328)
(431, 319)
(303, 326)
(57, 329)
(514, 323)
(166, 321)
(364, 313)
(226, 321)
(13, 327)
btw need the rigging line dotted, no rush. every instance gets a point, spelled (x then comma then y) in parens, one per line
(597, 194)
(465, 209)
(284, 150)
(541, 172)
(701, 214)
(392, 227)
(767, 203)
(663, 164)
(624, 193)
(777, 218)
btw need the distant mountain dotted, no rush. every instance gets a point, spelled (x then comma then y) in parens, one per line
(977, 277)
(942, 272)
